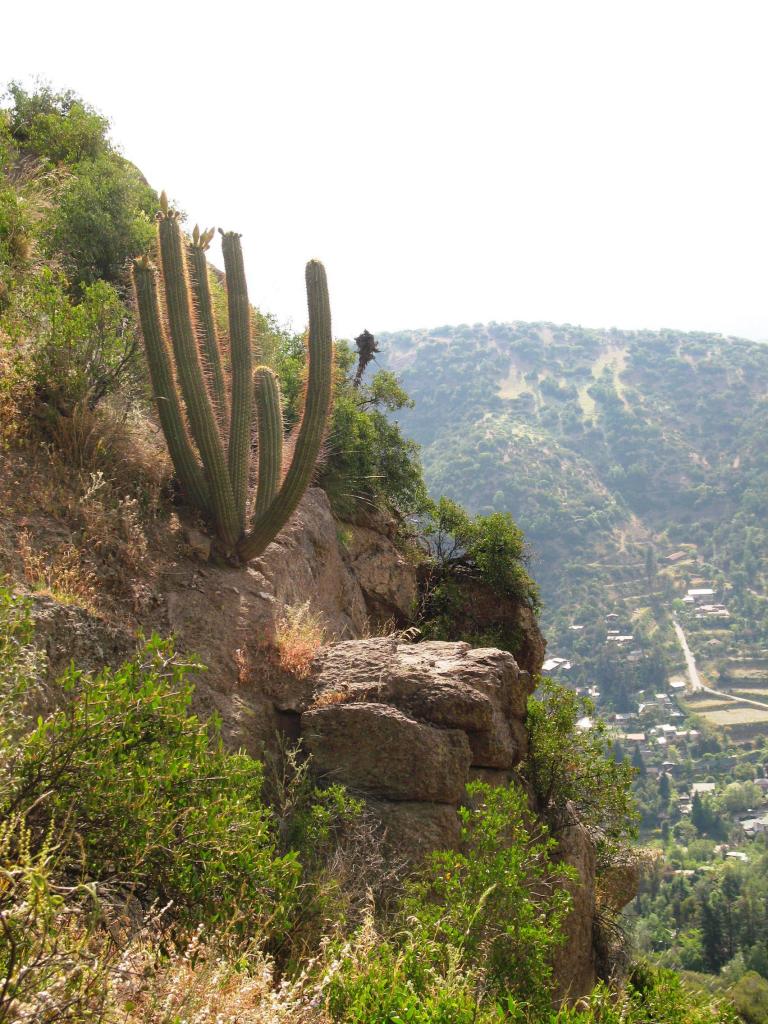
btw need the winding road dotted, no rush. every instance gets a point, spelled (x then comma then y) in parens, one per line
(696, 685)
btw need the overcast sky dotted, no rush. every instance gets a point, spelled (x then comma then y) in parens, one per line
(600, 163)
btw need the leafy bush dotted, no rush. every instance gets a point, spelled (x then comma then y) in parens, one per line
(73, 353)
(465, 552)
(143, 796)
(102, 217)
(369, 463)
(479, 928)
(490, 548)
(50, 968)
(651, 997)
(490, 899)
(572, 773)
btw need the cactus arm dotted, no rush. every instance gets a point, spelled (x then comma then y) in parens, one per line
(201, 294)
(172, 422)
(190, 373)
(269, 418)
(313, 423)
(242, 371)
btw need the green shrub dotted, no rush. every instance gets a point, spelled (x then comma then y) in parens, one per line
(102, 214)
(102, 221)
(143, 796)
(51, 970)
(499, 900)
(20, 670)
(652, 996)
(476, 933)
(489, 548)
(750, 997)
(74, 354)
(369, 463)
(572, 773)
(412, 982)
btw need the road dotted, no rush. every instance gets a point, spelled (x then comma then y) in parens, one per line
(690, 662)
(696, 685)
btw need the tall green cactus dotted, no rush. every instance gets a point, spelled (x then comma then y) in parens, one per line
(208, 415)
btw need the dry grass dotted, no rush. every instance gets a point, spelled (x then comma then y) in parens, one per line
(62, 574)
(299, 635)
(706, 704)
(81, 512)
(201, 986)
(736, 716)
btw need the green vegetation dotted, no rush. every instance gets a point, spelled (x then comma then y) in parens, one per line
(572, 774)
(369, 464)
(466, 553)
(146, 873)
(135, 853)
(73, 212)
(603, 445)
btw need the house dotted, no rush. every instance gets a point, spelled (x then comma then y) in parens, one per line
(700, 594)
(678, 685)
(576, 629)
(637, 737)
(702, 788)
(611, 617)
(738, 855)
(755, 826)
(556, 664)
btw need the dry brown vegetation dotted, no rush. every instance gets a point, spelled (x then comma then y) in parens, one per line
(299, 635)
(85, 510)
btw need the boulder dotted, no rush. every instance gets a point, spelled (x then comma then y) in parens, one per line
(445, 685)
(413, 829)
(376, 750)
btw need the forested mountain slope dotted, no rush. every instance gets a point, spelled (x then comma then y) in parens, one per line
(611, 449)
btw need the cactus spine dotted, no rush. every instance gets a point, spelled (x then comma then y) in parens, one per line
(214, 471)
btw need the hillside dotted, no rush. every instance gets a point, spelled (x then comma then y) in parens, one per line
(231, 788)
(633, 460)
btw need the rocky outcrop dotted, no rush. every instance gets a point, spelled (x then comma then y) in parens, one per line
(408, 724)
(228, 615)
(386, 579)
(576, 971)
(480, 611)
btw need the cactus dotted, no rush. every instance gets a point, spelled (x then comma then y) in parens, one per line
(207, 425)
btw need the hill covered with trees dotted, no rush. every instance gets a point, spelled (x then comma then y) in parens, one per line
(634, 461)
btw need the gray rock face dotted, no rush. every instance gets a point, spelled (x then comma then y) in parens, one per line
(412, 723)
(387, 580)
(576, 969)
(376, 750)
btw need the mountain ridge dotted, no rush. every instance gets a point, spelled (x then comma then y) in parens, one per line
(602, 444)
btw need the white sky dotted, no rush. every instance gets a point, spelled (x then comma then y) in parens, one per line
(602, 163)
